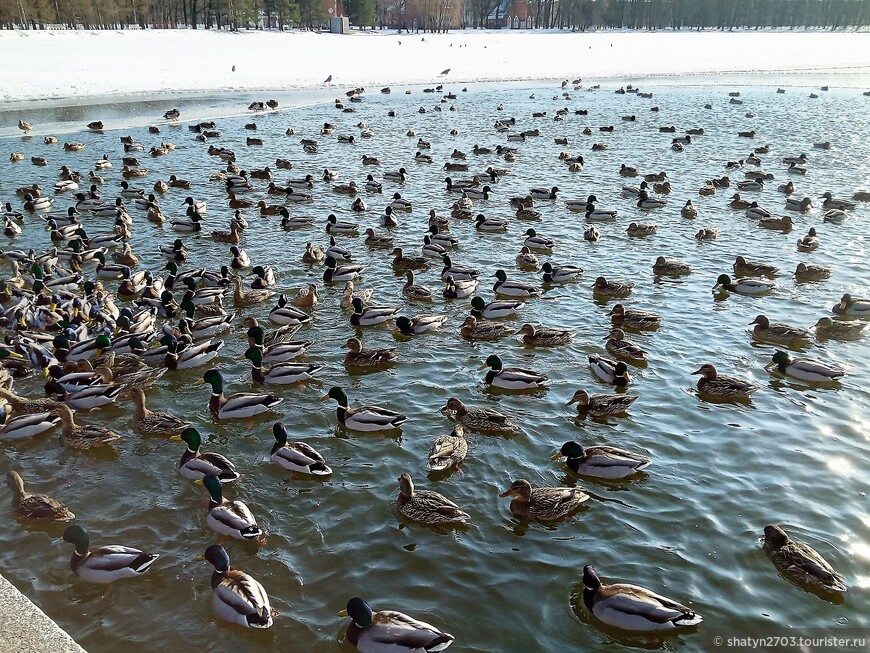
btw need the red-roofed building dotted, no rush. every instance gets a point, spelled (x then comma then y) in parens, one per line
(510, 14)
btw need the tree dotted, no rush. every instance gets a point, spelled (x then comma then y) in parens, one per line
(362, 13)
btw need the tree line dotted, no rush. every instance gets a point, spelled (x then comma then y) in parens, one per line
(436, 15)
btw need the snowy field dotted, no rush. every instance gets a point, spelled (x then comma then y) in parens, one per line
(52, 67)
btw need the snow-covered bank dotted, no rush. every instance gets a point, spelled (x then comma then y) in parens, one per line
(44, 67)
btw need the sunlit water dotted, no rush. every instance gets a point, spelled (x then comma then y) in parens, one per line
(690, 528)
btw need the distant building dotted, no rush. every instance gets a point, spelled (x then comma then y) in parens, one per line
(333, 8)
(412, 14)
(510, 14)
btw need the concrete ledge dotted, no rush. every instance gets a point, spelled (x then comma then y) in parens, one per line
(24, 628)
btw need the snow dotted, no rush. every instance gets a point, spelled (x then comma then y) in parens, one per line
(57, 66)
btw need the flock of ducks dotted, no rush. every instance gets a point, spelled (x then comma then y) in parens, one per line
(97, 346)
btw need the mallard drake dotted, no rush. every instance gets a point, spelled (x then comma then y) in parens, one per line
(839, 330)
(35, 507)
(376, 240)
(431, 249)
(426, 506)
(800, 563)
(743, 267)
(743, 286)
(601, 405)
(389, 631)
(511, 378)
(357, 356)
(489, 225)
(231, 518)
(671, 267)
(807, 369)
(832, 202)
(334, 272)
(153, 423)
(495, 309)
(237, 597)
(543, 503)
(560, 273)
(604, 288)
(602, 461)
(279, 374)
(460, 289)
(419, 323)
(399, 203)
(370, 315)
(485, 420)
(284, 313)
(633, 319)
(593, 213)
(835, 216)
(448, 450)
(26, 425)
(544, 336)
(196, 465)
(458, 272)
(810, 242)
(631, 607)
(414, 291)
(401, 263)
(852, 306)
(333, 226)
(802, 205)
(105, 564)
(714, 384)
(297, 457)
(364, 418)
(237, 406)
(609, 371)
(512, 288)
(544, 193)
(757, 212)
(620, 347)
(767, 330)
(644, 201)
(526, 260)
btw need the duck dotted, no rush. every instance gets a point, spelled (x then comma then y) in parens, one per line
(670, 267)
(364, 418)
(835, 216)
(738, 203)
(153, 423)
(794, 204)
(755, 211)
(810, 242)
(633, 319)
(249, 297)
(82, 436)
(474, 329)
(307, 296)
(231, 518)
(426, 506)
(370, 315)
(390, 631)
(236, 596)
(239, 405)
(196, 465)
(852, 306)
(296, 457)
(511, 378)
(633, 608)
(415, 291)
(743, 286)
(489, 225)
(448, 450)
(283, 313)
(333, 226)
(544, 193)
(777, 224)
(512, 288)
(560, 273)
(544, 336)
(26, 425)
(614, 373)
(105, 564)
(358, 356)
(620, 347)
(718, 385)
(543, 503)
(26, 406)
(744, 267)
(644, 201)
(811, 272)
(689, 211)
(419, 324)
(313, 253)
(526, 260)
(35, 507)
(839, 330)
(593, 213)
(494, 309)
(778, 332)
(807, 369)
(605, 288)
(400, 176)
(831, 202)
(538, 243)
(800, 563)
(601, 461)
(600, 405)
(279, 374)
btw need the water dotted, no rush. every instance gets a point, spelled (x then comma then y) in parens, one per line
(690, 528)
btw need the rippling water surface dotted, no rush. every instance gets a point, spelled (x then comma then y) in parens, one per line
(689, 528)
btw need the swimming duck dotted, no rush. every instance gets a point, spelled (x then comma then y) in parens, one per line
(105, 564)
(297, 457)
(560, 273)
(458, 289)
(840, 330)
(743, 286)
(800, 563)
(237, 597)
(807, 369)
(376, 240)
(512, 288)
(620, 347)
(364, 418)
(415, 291)
(689, 211)
(82, 436)
(833, 203)
(593, 213)
(306, 296)
(602, 461)
(777, 332)
(787, 188)
(333, 226)
(511, 378)
(370, 315)
(349, 295)
(35, 507)
(719, 385)
(448, 450)
(793, 204)
(544, 193)
(600, 405)
(231, 518)
(279, 374)
(777, 224)
(285, 314)
(537, 243)
(810, 242)
(835, 216)
(811, 272)
(459, 273)
(543, 503)
(153, 423)
(604, 288)
(237, 406)
(544, 336)
(631, 607)
(755, 211)
(426, 506)
(196, 465)
(852, 306)
(389, 631)
(744, 267)
(526, 260)
(400, 176)
(609, 371)
(633, 319)
(644, 201)
(357, 356)
(474, 329)
(671, 267)
(494, 309)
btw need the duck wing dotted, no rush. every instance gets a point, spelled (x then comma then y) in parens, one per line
(640, 602)
(802, 559)
(395, 631)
